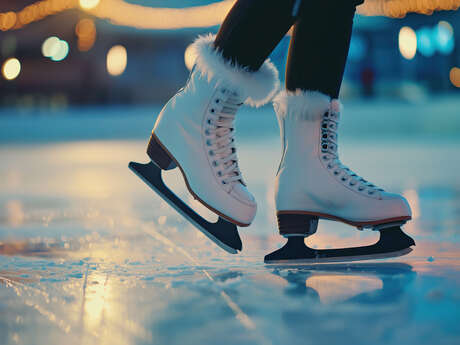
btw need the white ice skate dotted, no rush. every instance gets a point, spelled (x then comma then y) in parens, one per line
(195, 132)
(313, 184)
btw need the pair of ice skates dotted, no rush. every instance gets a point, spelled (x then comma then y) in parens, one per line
(195, 133)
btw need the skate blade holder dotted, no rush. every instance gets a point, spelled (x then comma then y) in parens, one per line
(393, 242)
(223, 233)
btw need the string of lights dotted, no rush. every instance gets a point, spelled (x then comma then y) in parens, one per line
(34, 12)
(122, 13)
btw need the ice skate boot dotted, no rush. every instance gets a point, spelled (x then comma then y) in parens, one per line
(313, 184)
(195, 132)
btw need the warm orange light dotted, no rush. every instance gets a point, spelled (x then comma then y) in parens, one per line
(7, 20)
(454, 76)
(398, 9)
(86, 33)
(33, 13)
(122, 13)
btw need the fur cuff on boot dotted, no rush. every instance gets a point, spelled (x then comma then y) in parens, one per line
(256, 88)
(306, 105)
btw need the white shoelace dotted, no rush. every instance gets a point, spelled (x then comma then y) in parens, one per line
(220, 136)
(329, 151)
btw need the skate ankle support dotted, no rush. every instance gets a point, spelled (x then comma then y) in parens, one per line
(255, 87)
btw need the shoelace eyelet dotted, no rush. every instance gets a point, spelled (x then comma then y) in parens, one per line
(370, 192)
(217, 100)
(209, 122)
(336, 172)
(360, 189)
(344, 179)
(219, 173)
(206, 132)
(325, 158)
(212, 111)
(208, 142)
(211, 152)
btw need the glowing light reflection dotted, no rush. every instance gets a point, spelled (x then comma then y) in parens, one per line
(86, 33)
(407, 41)
(50, 46)
(11, 69)
(88, 4)
(117, 59)
(454, 76)
(335, 288)
(123, 13)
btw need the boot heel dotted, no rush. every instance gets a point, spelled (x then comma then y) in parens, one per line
(291, 224)
(158, 155)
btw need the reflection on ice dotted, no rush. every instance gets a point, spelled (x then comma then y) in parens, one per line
(334, 283)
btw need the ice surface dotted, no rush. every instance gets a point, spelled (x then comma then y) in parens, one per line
(89, 255)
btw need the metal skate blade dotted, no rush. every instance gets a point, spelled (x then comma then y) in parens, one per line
(223, 233)
(393, 242)
(340, 259)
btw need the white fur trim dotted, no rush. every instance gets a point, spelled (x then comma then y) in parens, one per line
(257, 88)
(306, 105)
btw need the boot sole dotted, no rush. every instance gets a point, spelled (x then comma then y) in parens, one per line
(359, 225)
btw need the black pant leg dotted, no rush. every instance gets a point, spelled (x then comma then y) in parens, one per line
(319, 46)
(252, 29)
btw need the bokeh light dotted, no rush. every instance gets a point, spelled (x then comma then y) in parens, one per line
(425, 41)
(454, 76)
(62, 52)
(55, 48)
(8, 20)
(11, 69)
(50, 46)
(88, 4)
(357, 48)
(189, 57)
(443, 34)
(407, 41)
(117, 59)
(86, 33)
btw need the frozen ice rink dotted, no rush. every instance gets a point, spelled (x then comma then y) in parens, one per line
(90, 255)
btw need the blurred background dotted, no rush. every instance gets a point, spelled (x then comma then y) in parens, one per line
(56, 54)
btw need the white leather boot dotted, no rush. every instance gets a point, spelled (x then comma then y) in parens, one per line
(312, 180)
(195, 130)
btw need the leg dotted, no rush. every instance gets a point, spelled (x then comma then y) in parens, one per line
(324, 188)
(195, 129)
(252, 29)
(319, 46)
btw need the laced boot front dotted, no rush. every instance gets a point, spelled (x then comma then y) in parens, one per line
(313, 180)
